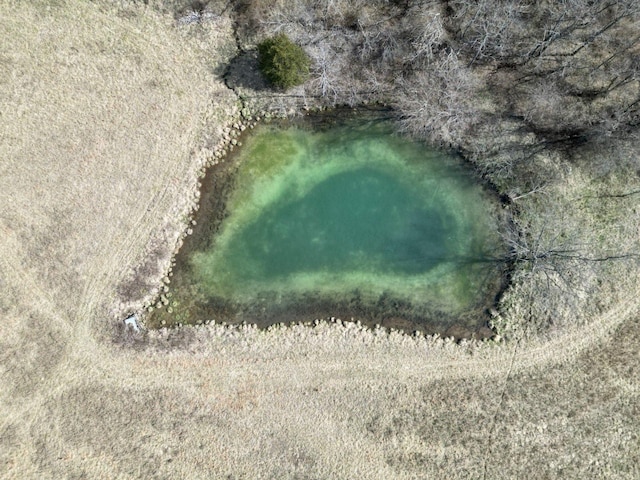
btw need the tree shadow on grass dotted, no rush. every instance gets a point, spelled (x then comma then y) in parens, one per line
(243, 72)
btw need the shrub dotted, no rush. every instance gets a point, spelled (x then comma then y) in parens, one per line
(282, 62)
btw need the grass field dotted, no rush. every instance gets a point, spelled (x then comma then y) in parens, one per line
(104, 116)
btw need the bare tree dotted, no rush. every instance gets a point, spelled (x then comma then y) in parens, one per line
(438, 101)
(581, 53)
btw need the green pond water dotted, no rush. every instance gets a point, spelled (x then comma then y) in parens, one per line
(348, 220)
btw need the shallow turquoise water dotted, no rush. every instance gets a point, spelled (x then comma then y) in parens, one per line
(345, 212)
(363, 219)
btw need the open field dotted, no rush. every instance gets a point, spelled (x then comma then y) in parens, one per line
(104, 114)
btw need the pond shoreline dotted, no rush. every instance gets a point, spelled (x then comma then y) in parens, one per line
(215, 187)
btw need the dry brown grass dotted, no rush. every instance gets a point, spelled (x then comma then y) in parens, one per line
(101, 113)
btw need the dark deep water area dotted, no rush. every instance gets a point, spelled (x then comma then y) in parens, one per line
(339, 218)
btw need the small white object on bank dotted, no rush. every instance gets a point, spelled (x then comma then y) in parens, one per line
(132, 321)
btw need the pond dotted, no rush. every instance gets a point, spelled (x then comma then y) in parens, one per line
(340, 218)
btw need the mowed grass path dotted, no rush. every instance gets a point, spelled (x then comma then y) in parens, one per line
(101, 112)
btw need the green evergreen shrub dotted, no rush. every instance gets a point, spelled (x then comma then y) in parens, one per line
(282, 62)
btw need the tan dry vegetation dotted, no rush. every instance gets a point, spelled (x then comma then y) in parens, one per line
(103, 111)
